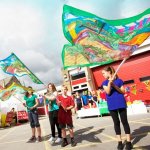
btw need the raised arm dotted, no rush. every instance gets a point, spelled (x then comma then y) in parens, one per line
(120, 90)
(51, 97)
(72, 105)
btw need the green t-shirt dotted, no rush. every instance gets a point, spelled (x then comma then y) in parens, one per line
(30, 101)
(52, 105)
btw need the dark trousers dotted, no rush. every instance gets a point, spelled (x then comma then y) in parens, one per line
(123, 116)
(53, 118)
(79, 106)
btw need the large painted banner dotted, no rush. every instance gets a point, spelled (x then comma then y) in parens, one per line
(96, 41)
(14, 66)
(12, 90)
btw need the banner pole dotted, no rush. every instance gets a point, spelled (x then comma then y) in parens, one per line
(119, 67)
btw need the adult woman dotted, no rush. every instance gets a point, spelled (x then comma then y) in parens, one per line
(116, 104)
(53, 108)
(31, 104)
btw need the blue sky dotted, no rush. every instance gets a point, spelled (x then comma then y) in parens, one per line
(32, 29)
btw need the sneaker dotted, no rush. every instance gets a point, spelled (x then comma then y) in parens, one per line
(64, 143)
(52, 139)
(39, 139)
(73, 143)
(58, 140)
(120, 146)
(32, 139)
(129, 146)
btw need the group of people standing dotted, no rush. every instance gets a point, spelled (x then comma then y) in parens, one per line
(60, 110)
(89, 98)
(60, 115)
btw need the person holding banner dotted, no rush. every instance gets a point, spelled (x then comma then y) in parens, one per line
(53, 108)
(31, 104)
(114, 89)
(66, 103)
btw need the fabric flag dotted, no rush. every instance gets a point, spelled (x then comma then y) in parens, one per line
(13, 89)
(97, 41)
(13, 65)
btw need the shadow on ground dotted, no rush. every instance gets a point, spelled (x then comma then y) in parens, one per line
(139, 134)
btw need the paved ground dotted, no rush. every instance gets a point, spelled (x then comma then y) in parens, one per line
(90, 133)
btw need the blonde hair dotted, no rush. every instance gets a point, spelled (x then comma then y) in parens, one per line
(64, 86)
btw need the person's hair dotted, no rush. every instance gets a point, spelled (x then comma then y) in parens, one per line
(53, 88)
(94, 92)
(101, 87)
(77, 93)
(27, 93)
(89, 93)
(111, 70)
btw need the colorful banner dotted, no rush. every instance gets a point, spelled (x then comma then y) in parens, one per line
(14, 66)
(97, 41)
(13, 89)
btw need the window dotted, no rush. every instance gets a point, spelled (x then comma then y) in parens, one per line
(84, 85)
(76, 87)
(145, 78)
(78, 75)
(128, 81)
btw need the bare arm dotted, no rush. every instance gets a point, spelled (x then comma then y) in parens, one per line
(51, 98)
(69, 108)
(107, 89)
(72, 105)
(111, 84)
(120, 90)
(82, 101)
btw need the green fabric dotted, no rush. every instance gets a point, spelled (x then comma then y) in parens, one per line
(30, 101)
(53, 106)
(103, 108)
(14, 66)
(98, 41)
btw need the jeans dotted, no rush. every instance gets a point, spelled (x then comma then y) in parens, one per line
(33, 118)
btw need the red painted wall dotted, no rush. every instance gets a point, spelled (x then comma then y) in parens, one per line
(78, 81)
(134, 68)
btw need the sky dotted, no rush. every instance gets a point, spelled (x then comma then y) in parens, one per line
(32, 29)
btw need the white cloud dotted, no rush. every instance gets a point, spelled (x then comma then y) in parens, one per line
(130, 9)
(20, 23)
(23, 30)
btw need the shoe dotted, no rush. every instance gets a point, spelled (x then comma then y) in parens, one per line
(58, 140)
(39, 139)
(129, 146)
(120, 146)
(52, 139)
(64, 143)
(73, 143)
(32, 139)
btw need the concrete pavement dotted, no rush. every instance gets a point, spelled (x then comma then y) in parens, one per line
(90, 133)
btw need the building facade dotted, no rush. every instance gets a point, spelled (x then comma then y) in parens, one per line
(135, 73)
